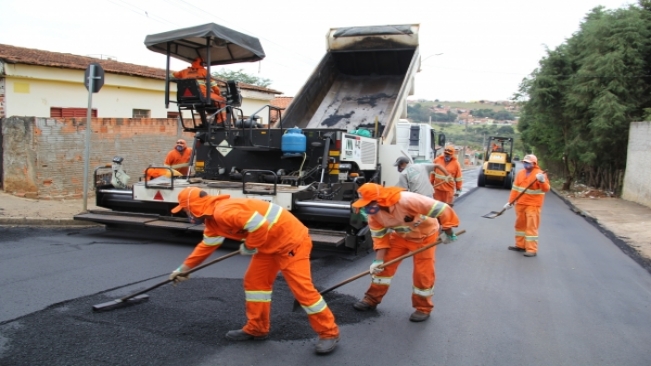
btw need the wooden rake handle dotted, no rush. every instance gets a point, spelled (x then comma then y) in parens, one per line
(351, 279)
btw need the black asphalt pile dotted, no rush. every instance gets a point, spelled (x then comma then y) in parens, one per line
(178, 325)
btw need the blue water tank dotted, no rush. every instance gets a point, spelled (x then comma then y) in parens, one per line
(293, 142)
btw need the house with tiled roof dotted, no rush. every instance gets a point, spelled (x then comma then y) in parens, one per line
(281, 102)
(51, 84)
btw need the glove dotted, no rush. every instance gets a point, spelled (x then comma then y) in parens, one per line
(374, 267)
(176, 276)
(447, 239)
(508, 206)
(246, 251)
(540, 177)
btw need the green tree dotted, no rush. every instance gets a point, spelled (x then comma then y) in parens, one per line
(578, 104)
(242, 77)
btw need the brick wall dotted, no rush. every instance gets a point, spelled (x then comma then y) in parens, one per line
(44, 157)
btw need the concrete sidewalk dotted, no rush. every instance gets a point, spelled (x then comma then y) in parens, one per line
(626, 223)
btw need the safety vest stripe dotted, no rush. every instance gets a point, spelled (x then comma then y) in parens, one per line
(401, 229)
(423, 292)
(258, 296)
(440, 176)
(378, 233)
(384, 281)
(460, 179)
(437, 209)
(273, 214)
(519, 233)
(213, 240)
(315, 308)
(254, 222)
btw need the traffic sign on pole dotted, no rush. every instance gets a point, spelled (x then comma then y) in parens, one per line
(97, 73)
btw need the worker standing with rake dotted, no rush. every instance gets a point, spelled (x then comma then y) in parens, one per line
(402, 222)
(277, 241)
(533, 184)
(446, 184)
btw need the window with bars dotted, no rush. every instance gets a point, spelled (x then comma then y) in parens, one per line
(141, 113)
(60, 112)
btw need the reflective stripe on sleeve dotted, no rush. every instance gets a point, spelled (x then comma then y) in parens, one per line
(254, 222)
(378, 233)
(273, 214)
(424, 293)
(401, 229)
(460, 179)
(315, 308)
(258, 296)
(213, 240)
(437, 209)
(385, 281)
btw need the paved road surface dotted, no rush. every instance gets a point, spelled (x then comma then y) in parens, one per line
(580, 302)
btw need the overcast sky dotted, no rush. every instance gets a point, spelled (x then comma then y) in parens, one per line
(486, 47)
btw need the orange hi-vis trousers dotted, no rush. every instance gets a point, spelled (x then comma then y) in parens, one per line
(527, 220)
(424, 274)
(444, 196)
(295, 267)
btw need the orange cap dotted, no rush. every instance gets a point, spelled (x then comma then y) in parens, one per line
(184, 198)
(449, 150)
(531, 158)
(369, 192)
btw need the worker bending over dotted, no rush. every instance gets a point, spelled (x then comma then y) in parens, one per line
(415, 177)
(402, 222)
(446, 184)
(277, 241)
(528, 206)
(179, 157)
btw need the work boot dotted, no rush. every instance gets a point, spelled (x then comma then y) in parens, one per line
(517, 249)
(326, 345)
(418, 316)
(362, 305)
(240, 335)
(530, 254)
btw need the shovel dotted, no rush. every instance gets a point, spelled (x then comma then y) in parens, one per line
(360, 275)
(494, 214)
(140, 296)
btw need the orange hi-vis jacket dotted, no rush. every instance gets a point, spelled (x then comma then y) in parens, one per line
(179, 160)
(260, 224)
(414, 218)
(454, 168)
(535, 195)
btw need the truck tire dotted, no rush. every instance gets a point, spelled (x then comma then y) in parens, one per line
(481, 179)
(508, 180)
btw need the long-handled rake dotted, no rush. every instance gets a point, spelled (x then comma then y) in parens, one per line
(494, 214)
(360, 275)
(140, 296)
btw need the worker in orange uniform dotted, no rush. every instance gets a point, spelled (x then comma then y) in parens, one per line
(197, 71)
(446, 184)
(277, 241)
(402, 222)
(528, 206)
(179, 157)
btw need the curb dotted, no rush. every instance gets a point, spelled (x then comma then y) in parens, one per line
(38, 221)
(620, 243)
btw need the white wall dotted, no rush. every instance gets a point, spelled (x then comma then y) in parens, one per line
(638, 171)
(33, 90)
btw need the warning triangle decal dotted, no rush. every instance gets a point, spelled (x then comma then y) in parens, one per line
(158, 196)
(188, 93)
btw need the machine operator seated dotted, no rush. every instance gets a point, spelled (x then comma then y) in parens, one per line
(198, 72)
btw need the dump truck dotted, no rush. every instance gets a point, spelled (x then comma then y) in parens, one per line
(498, 169)
(339, 132)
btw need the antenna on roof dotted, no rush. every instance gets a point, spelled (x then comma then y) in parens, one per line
(103, 57)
